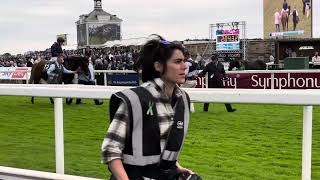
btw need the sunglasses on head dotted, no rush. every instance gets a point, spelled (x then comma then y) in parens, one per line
(165, 43)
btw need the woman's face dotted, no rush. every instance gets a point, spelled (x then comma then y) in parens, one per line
(175, 71)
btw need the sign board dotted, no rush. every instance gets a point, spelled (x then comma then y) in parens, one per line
(228, 40)
(300, 80)
(14, 73)
(123, 80)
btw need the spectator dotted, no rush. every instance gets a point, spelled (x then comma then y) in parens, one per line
(295, 18)
(216, 74)
(86, 77)
(191, 75)
(277, 21)
(316, 59)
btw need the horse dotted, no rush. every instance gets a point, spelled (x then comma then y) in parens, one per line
(71, 62)
(248, 65)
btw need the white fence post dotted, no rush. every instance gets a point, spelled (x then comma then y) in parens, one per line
(207, 80)
(27, 78)
(307, 143)
(59, 139)
(105, 78)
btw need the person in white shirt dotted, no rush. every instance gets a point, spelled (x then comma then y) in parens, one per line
(91, 69)
(277, 21)
(191, 74)
(308, 9)
(271, 62)
(316, 59)
(271, 58)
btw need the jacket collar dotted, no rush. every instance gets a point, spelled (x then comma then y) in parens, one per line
(160, 87)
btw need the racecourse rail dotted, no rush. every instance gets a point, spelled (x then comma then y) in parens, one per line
(105, 72)
(305, 98)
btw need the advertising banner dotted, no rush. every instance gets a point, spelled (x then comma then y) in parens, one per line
(123, 80)
(14, 73)
(227, 57)
(228, 39)
(269, 81)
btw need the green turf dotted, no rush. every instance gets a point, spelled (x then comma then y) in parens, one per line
(255, 142)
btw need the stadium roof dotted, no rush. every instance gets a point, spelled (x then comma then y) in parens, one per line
(98, 13)
(127, 42)
(93, 16)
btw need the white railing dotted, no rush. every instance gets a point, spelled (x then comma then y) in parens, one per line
(23, 174)
(105, 72)
(305, 98)
(275, 71)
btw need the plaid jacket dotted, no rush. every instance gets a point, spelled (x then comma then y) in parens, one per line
(114, 142)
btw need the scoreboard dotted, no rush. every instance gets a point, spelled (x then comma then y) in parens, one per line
(228, 40)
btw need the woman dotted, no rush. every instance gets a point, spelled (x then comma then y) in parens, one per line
(149, 123)
(277, 19)
(308, 8)
(86, 77)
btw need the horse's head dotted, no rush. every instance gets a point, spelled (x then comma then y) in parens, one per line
(74, 62)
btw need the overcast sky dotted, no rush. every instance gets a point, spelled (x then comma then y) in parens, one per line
(33, 24)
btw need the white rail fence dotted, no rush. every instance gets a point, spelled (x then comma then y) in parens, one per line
(305, 98)
(7, 173)
(104, 72)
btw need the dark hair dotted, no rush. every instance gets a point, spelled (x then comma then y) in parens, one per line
(214, 57)
(156, 50)
(186, 53)
(60, 39)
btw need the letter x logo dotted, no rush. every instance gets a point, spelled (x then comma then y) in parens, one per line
(150, 111)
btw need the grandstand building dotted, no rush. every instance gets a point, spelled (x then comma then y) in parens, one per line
(97, 27)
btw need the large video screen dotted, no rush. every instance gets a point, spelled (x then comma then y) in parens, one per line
(82, 34)
(228, 40)
(291, 18)
(101, 33)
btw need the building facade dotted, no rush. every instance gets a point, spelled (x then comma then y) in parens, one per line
(97, 27)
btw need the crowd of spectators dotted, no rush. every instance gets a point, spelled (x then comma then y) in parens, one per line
(113, 59)
(117, 58)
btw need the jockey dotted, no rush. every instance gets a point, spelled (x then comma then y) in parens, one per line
(56, 71)
(56, 49)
